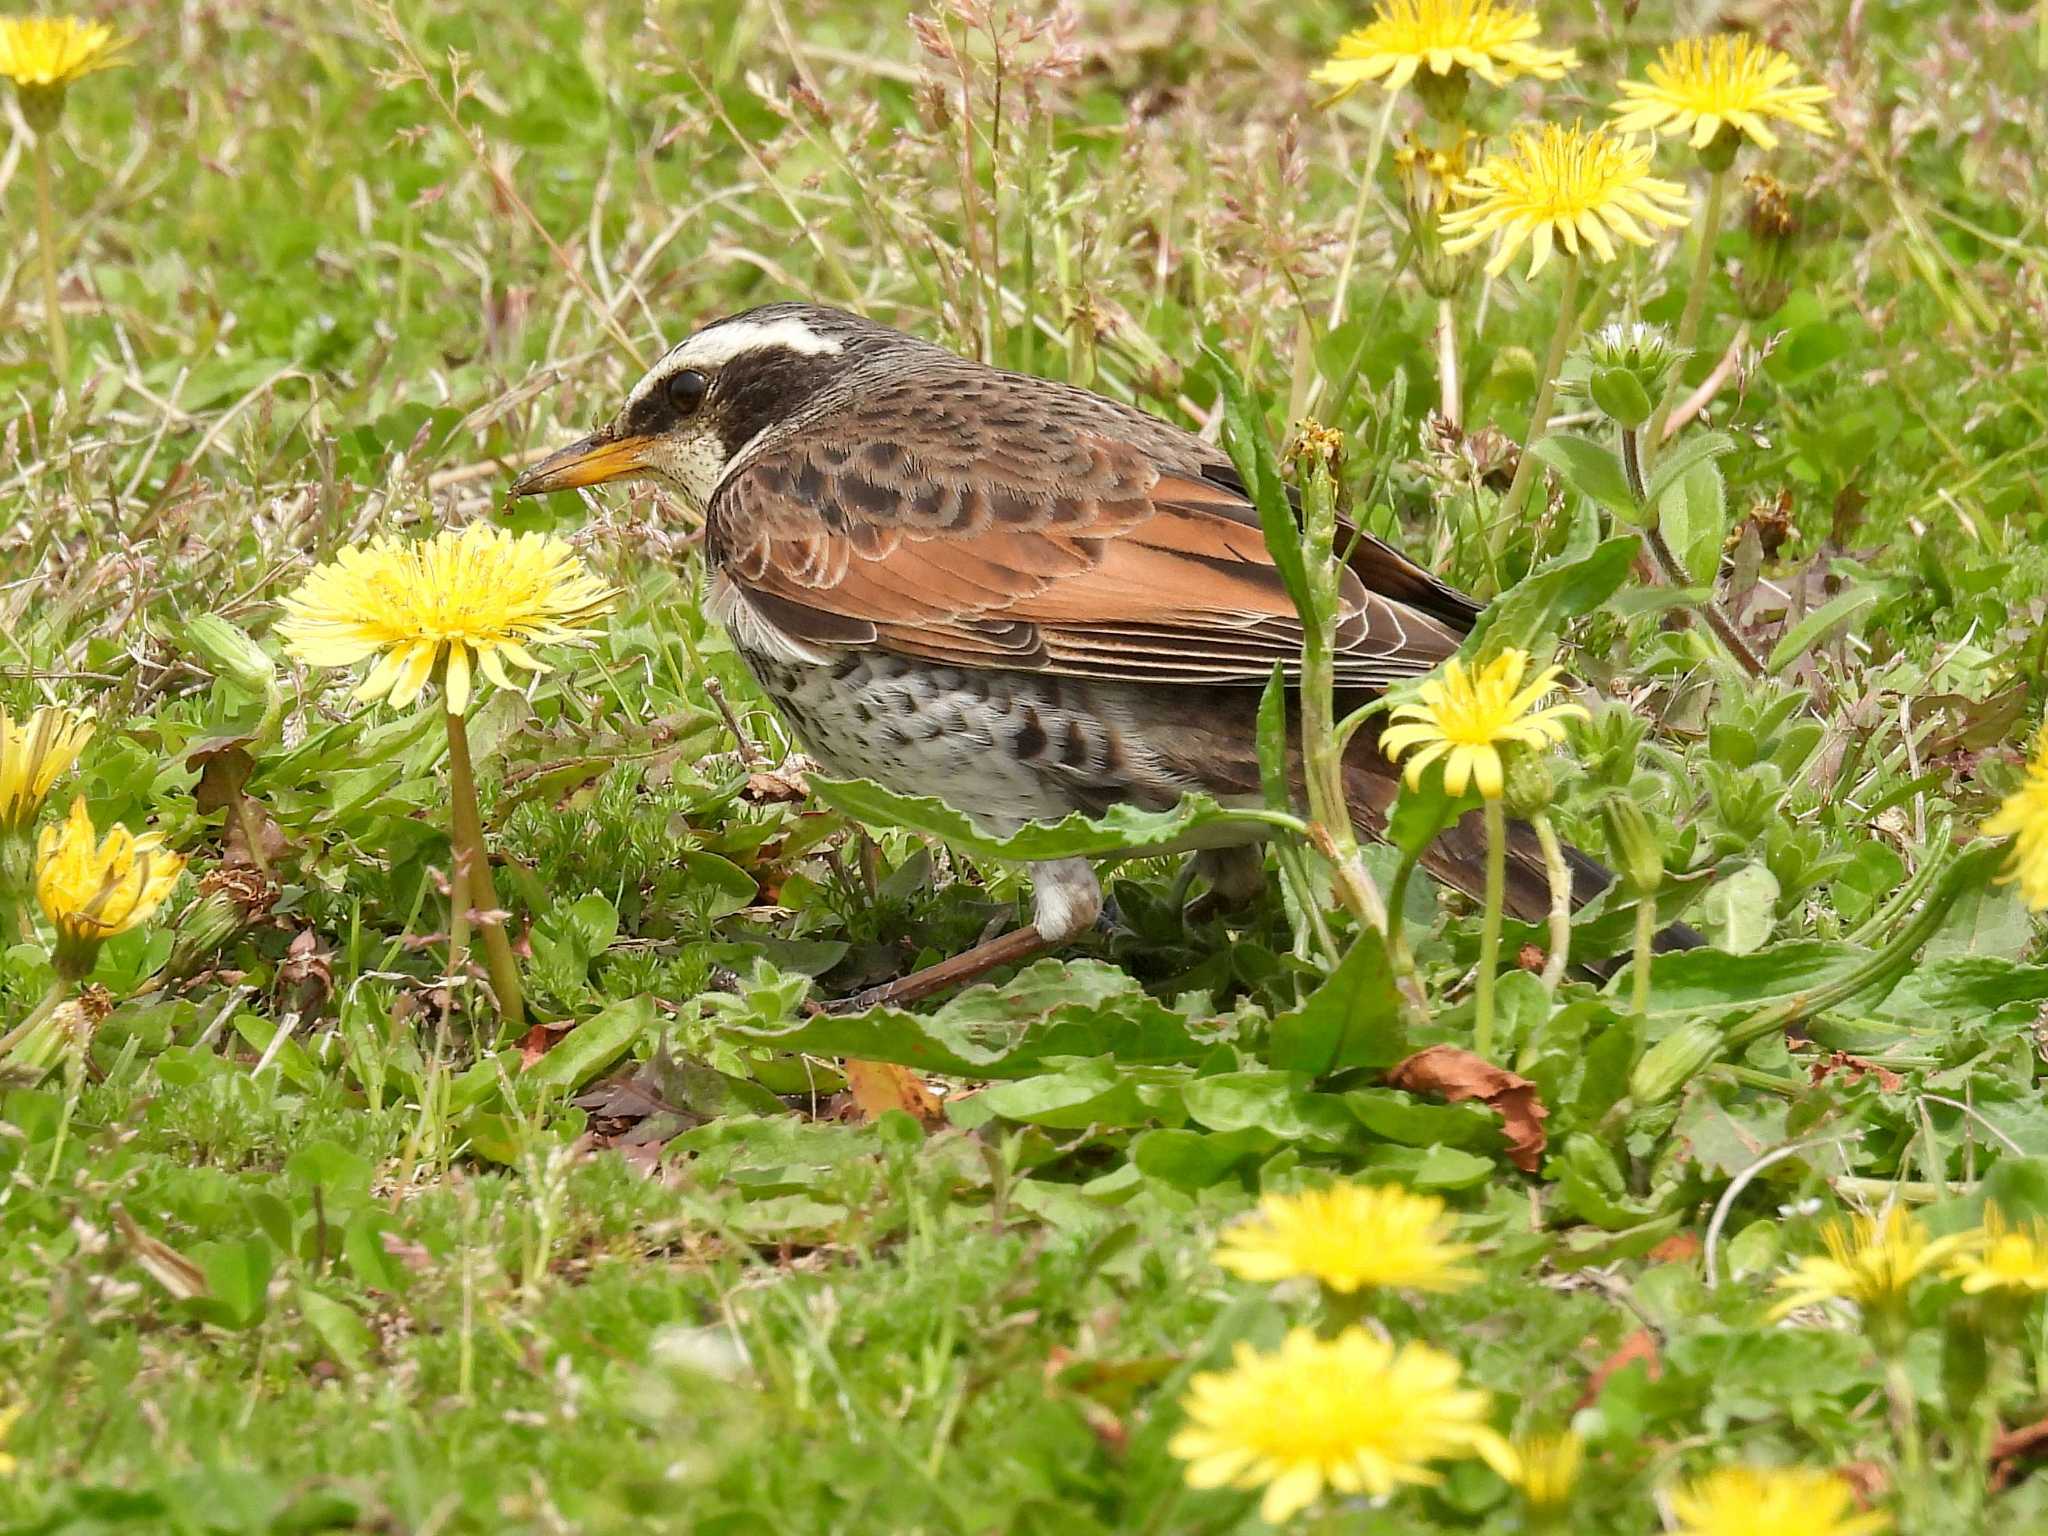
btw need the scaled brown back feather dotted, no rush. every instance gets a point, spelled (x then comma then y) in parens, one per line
(1036, 526)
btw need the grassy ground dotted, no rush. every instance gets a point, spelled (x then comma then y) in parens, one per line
(310, 1246)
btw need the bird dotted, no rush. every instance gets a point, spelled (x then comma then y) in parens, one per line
(1011, 593)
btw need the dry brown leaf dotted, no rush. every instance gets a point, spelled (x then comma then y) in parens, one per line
(1445, 1072)
(878, 1087)
(160, 1261)
(1640, 1345)
(1678, 1248)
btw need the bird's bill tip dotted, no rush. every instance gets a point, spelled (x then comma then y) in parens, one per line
(592, 460)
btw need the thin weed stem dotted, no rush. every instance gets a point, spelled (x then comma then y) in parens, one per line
(1695, 298)
(1489, 932)
(473, 877)
(46, 237)
(1539, 417)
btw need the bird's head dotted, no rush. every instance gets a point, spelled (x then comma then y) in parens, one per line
(712, 397)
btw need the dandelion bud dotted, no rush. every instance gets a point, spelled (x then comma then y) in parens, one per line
(1764, 277)
(1633, 845)
(230, 900)
(1531, 784)
(230, 653)
(1427, 176)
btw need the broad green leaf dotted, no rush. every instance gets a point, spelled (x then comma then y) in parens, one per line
(341, 1175)
(1352, 1019)
(1955, 987)
(594, 1044)
(1274, 1102)
(1591, 469)
(2018, 1187)
(1090, 1093)
(1532, 611)
(1125, 829)
(237, 1281)
(1198, 1159)
(1401, 1117)
(344, 1335)
(1707, 981)
(1681, 460)
(1078, 1008)
(1738, 913)
(1430, 1168)
(1823, 621)
(1694, 518)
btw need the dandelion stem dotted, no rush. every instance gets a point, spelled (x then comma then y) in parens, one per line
(46, 237)
(473, 883)
(1539, 417)
(1453, 394)
(1560, 876)
(1489, 931)
(1695, 299)
(1639, 970)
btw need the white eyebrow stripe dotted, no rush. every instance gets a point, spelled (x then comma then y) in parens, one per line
(722, 343)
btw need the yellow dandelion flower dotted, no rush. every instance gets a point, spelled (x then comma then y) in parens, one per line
(10, 1415)
(481, 596)
(1465, 718)
(35, 754)
(1699, 86)
(1545, 1469)
(1492, 38)
(1871, 1261)
(1353, 1414)
(2024, 818)
(2004, 1258)
(1771, 1501)
(45, 52)
(1563, 182)
(93, 890)
(1349, 1236)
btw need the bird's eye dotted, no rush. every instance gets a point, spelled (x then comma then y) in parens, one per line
(686, 390)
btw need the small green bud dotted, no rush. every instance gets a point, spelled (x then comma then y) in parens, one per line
(230, 653)
(1674, 1061)
(1627, 367)
(1633, 844)
(1618, 392)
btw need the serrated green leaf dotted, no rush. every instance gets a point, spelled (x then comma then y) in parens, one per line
(1081, 1008)
(1124, 829)
(1352, 1019)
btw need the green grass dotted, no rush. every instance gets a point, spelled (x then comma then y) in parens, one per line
(378, 1275)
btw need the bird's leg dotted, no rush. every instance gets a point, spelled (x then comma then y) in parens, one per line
(1066, 898)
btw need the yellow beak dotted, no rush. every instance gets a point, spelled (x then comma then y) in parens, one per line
(589, 461)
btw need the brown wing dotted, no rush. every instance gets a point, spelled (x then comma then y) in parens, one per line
(1030, 530)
